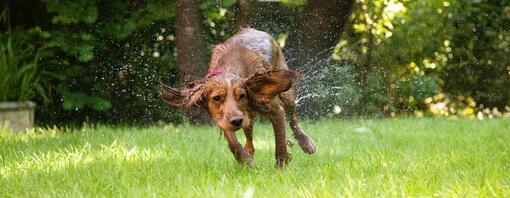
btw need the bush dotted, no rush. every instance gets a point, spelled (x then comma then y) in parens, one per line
(21, 77)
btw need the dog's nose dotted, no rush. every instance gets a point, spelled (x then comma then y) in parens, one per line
(236, 121)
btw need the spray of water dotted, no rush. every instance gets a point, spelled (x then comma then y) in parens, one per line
(327, 87)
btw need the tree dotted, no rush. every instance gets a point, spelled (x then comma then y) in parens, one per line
(191, 55)
(314, 34)
(244, 18)
(316, 29)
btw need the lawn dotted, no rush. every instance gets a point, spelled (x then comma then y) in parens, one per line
(389, 157)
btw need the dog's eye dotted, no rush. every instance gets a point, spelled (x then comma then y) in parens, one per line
(216, 99)
(242, 96)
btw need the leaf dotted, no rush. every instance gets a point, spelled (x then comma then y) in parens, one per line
(54, 75)
(74, 100)
(39, 88)
(86, 53)
(72, 12)
(99, 104)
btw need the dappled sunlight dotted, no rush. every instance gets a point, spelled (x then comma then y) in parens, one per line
(50, 161)
(360, 156)
(263, 144)
(460, 106)
(81, 155)
(379, 20)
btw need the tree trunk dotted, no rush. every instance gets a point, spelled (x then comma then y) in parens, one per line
(311, 39)
(244, 14)
(269, 16)
(191, 56)
(316, 31)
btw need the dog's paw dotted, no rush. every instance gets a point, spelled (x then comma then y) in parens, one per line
(306, 144)
(248, 160)
(283, 163)
(244, 157)
(250, 150)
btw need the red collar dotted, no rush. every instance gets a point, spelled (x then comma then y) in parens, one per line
(213, 73)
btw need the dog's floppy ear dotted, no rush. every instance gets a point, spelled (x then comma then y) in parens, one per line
(184, 97)
(266, 85)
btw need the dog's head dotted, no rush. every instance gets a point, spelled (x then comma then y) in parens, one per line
(228, 98)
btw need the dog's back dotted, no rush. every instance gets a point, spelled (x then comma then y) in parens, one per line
(255, 40)
(247, 52)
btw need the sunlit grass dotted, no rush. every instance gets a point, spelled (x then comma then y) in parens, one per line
(406, 157)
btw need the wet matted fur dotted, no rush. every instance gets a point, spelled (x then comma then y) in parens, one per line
(248, 77)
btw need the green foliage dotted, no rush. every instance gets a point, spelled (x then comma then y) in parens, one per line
(218, 20)
(72, 11)
(20, 75)
(80, 45)
(294, 2)
(418, 88)
(103, 60)
(108, 59)
(80, 100)
(479, 52)
(422, 48)
(111, 57)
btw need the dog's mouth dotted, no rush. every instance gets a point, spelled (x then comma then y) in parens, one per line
(231, 128)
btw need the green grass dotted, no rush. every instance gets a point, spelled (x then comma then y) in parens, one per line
(393, 157)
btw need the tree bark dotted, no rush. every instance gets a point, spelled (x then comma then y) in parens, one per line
(316, 31)
(269, 16)
(244, 14)
(312, 37)
(191, 54)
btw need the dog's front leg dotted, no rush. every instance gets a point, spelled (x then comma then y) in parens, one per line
(248, 132)
(237, 149)
(281, 154)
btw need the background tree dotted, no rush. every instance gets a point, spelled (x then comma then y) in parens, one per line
(311, 39)
(315, 32)
(191, 56)
(244, 14)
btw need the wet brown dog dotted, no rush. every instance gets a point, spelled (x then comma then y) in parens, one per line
(248, 76)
